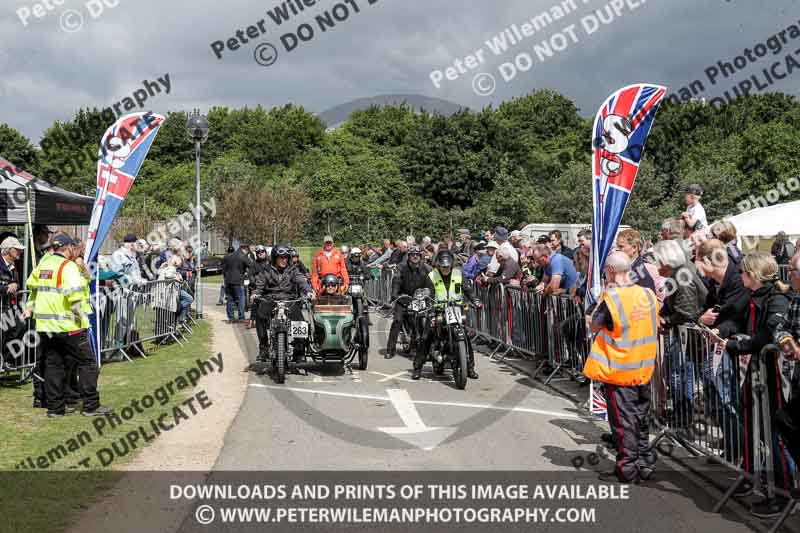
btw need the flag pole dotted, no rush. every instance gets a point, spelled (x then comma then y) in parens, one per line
(98, 327)
(32, 249)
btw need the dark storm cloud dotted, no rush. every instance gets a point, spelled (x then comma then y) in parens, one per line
(390, 47)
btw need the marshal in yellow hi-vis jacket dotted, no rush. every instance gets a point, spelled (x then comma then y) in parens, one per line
(56, 286)
(626, 355)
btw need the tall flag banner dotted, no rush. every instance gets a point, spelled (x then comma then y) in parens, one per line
(621, 127)
(123, 149)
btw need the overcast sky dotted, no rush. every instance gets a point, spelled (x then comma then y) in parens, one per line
(389, 47)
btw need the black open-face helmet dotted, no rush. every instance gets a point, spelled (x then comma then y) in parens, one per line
(444, 259)
(330, 280)
(279, 250)
(414, 250)
(293, 252)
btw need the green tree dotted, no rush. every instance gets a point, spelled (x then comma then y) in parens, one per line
(18, 149)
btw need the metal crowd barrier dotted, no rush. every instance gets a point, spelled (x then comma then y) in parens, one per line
(716, 405)
(17, 340)
(520, 321)
(130, 316)
(702, 399)
(379, 288)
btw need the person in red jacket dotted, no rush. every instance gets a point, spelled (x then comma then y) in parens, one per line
(329, 260)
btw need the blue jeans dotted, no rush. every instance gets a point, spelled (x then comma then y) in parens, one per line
(681, 380)
(722, 402)
(186, 301)
(235, 295)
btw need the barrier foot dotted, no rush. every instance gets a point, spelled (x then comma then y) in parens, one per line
(503, 357)
(141, 353)
(491, 355)
(718, 507)
(552, 375)
(176, 339)
(784, 515)
(538, 369)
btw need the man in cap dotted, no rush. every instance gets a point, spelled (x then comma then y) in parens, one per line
(501, 238)
(11, 250)
(328, 260)
(695, 214)
(462, 248)
(60, 304)
(125, 263)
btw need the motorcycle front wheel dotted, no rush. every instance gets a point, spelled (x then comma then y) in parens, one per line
(460, 373)
(280, 358)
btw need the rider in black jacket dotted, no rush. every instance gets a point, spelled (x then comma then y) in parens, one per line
(260, 264)
(278, 281)
(409, 277)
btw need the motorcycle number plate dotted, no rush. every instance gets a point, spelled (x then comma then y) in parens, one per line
(453, 315)
(246, 282)
(355, 289)
(299, 330)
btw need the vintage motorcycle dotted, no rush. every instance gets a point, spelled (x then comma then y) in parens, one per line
(450, 341)
(414, 319)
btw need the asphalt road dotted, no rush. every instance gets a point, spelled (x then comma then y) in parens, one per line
(380, 420)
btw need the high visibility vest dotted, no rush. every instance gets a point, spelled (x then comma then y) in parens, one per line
(56, 285)
(442, 292)
(626, 356)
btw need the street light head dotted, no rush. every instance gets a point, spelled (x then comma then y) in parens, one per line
(197, 126)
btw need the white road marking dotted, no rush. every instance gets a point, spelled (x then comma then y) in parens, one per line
(387, 377)
(405, 408)
(414, 431)
(516, 409)
(316, 379)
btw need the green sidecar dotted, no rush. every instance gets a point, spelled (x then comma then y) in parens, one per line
(338, 336)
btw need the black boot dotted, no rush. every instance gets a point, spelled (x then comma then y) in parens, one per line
(416, 374)
(389, 353)
(471, 374)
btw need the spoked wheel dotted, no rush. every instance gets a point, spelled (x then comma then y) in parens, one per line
(363, 349)
(460, 373)
(280, 358)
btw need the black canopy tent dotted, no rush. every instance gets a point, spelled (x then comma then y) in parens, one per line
(26, 200)
(48, 204)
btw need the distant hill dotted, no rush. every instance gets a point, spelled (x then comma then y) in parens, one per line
(335, 116)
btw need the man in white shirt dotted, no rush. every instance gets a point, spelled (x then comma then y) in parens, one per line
(501, 238)
(695, 214)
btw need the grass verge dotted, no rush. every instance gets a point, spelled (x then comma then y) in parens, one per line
(48, 498)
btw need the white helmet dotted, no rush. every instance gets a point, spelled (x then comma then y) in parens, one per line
(355, 251)
(345, 249)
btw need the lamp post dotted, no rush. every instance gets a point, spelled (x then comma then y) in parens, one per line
(197, 128)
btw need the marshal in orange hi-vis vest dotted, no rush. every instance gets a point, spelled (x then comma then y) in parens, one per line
(626, 356)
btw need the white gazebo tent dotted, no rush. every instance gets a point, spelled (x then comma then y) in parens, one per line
(756, 229)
